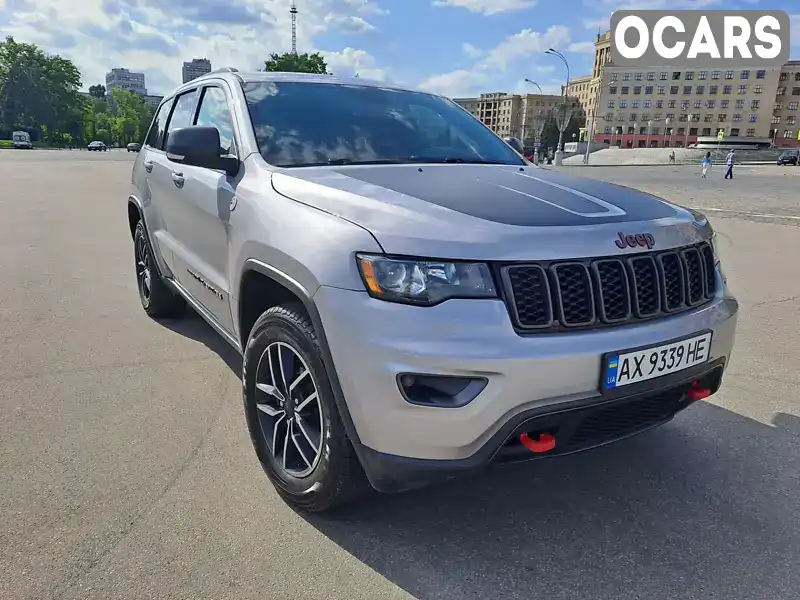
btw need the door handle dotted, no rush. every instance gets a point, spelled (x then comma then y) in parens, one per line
(148, 166)
(177, 179)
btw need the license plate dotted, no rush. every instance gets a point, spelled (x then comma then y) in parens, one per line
(640, 365)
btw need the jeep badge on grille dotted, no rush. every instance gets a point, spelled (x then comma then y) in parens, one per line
(640, 240)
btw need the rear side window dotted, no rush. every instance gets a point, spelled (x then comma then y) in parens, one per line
(214, 112)
(155, 136)
(183, 113)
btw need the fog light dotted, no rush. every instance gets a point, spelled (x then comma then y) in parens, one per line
(443, 391)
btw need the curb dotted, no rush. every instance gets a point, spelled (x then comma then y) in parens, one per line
(761, 162)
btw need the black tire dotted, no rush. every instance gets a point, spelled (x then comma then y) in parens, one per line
(158, 301)
(336, 476)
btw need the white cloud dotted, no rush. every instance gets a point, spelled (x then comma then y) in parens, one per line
(581, 47)
(490, 64)
(488, 7)
(471, 50)
(350, 62)
(156, 37)
(368, 7)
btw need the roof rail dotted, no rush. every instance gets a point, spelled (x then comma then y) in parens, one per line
(225, 70)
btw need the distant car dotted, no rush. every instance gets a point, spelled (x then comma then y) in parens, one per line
(97, 146)
(21, 140)
(134, 147)
(790, 157)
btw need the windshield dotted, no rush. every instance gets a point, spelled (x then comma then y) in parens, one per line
(300, 124)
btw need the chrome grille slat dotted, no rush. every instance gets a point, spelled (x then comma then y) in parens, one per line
(598, 292)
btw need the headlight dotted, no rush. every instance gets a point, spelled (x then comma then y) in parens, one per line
(715, 247)
(424, 282)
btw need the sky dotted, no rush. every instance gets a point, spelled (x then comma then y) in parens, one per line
(453, 47)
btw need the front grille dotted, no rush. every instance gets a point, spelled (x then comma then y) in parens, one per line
(587, 293)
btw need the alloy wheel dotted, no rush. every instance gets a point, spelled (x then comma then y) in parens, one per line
(143, 272)
(289, 409)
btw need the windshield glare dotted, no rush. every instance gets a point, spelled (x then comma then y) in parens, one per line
(307, 124)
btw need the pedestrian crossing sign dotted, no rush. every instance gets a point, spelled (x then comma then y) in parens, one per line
(720, 135)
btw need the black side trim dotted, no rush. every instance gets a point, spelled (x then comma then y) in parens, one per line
(308, 302)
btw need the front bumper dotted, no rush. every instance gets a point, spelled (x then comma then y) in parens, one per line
(372, 341)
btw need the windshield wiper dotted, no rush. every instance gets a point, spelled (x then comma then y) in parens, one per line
(454, 160)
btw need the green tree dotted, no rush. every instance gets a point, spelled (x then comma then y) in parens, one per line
(97, 91)
(297, 63)
(39, 93)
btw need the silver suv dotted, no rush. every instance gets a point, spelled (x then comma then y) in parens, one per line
(412, 298)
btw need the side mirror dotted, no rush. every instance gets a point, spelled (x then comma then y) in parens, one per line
(515, 144)
(200, 147)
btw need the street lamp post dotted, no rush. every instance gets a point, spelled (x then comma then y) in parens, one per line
(670, 132)
(633, 142)
(536, 84)
(649, 131)
(560, 150)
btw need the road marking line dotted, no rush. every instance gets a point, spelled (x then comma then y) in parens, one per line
(751, 214)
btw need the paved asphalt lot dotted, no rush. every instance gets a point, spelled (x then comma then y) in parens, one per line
(126, 471)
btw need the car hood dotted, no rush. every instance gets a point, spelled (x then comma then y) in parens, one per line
(488, 212)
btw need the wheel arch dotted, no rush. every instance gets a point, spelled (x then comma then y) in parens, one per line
(259, 276)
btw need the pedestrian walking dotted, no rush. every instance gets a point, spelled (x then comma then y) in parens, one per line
(706, 164)
(730, 159)
(672, 157)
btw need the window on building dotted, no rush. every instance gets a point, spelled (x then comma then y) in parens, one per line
(750, 133)
(796, 91)
(706, 131)
(727, 89)
(626, 77)
(676, 75)
(632, 117)
(674, 90)
(671, 104)
(757, 89)
(742, 89)
(715, 75)
(755, 104)
(740, 104)
(625, 90)
(724, 103)
(791, 120)
(656, 131)
(781, 91)
(683, 118)
(775, 120)
(689, 75)
(663, 76)
(722, 117)
(623, 104)
(648, 103)
(614, 77)
(609, 116)
(681, 131)
(671, 116)
(657, 116)
(698, 103)
(659, 104)
(684, 104)
(734, 132)
(661, 90)
(711, 103)
(729, 75)
(737, 117)
(620, 117)
(713, 90)
(612, 90)
(793, 105)
(651, 76)
(637, 90)
(610, 104)
(635, 104)
(797, 76)
(745, 75)
(783, 77)
(687, 90)
(638, 77)
(648, 90)
(693, 131)
(709, 118)
(752, 118)
(702, 75)
(701, 89)
(607, 130)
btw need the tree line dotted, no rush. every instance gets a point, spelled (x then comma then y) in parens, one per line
(40, 94)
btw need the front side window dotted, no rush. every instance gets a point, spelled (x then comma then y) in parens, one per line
(183, 113)
(300, 124)
(214, 112)
(155, 136)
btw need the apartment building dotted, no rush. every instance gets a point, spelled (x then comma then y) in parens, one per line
(126, 80)
(515, 115)
(195, 68)
(784, 126)
(662, 106)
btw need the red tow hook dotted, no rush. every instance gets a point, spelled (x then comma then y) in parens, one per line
(545, 443)
(697, 392)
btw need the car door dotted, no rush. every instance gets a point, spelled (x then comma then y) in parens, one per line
(201, 203)
(150, 183)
